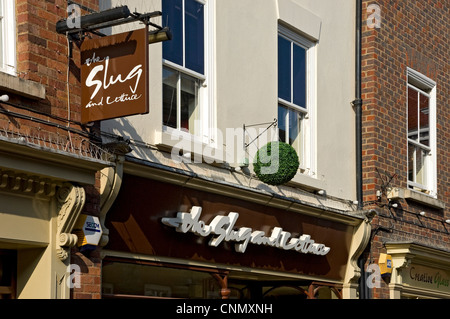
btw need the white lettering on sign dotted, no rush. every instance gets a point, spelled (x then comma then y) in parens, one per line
(223, 229)
(107, 81)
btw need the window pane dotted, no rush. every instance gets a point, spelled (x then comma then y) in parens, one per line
(295, 132)
(282, 129)
(412, 113)
(299, 76)
(189, 103)
(173, 18)
(170, 97)
(421, 171)
(284, 69)
(293, 127)
(8, 275)
(153, 281)
(194, 42)
(424, 119)
(411, 173)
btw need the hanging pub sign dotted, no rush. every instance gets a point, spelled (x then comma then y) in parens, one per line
(114, 76)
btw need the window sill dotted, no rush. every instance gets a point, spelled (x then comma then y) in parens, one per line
(408, 194)
(26, 88)
(307, 182)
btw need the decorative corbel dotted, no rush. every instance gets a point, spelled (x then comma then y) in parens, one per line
(361, 238)
(111, 181)
(70, 201)
(400, 262)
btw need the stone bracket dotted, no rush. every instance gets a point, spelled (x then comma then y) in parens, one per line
(70, 201)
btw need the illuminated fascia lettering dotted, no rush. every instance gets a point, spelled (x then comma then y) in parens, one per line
(222, 229)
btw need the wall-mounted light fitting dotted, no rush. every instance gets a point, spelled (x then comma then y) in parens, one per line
(4, 98)
(393, 204)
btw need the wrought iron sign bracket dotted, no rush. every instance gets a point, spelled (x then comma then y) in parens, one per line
(95, 21)
(274, 124)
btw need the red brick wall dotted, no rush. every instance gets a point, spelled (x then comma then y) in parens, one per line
(42, 55)
(412, 34)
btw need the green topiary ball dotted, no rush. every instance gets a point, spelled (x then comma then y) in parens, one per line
(276, 168)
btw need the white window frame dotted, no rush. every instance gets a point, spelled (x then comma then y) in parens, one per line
(206, 132)
(308, 154)
(426, 86)
(8, 37)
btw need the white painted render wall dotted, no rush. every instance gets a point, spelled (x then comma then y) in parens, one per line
(244, 81)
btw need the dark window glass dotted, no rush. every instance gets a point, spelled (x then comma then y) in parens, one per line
(122, 280)
(173, 18)
(424, 107)
(412, 114)
(170, 97)
(411, 154)
(299, 76)
(293, 127)
(193, 54)
(284, 69)
(8, 274)
(282, 112)
(194, 32)
(189, 101)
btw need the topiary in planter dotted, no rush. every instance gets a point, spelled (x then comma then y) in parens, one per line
(276, 163)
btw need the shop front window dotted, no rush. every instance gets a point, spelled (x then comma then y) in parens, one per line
(133, 280)
(138, 279)
(8, 265)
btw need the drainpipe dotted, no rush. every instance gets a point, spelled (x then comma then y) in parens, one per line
(357, 104)
(364, 292)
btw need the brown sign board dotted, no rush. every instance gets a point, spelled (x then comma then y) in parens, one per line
(114, 76)
(135, 225)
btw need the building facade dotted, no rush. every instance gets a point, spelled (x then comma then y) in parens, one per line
(175, 202)
(188, 216)
(406, 85)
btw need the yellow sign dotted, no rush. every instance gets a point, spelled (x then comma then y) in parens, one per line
(385, 264)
